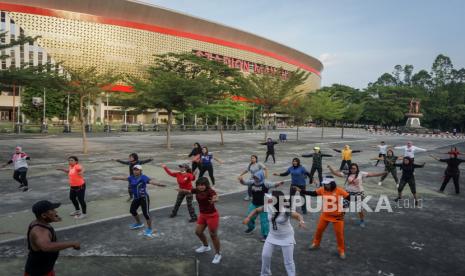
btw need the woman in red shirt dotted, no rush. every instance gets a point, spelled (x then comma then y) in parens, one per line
(184, 179)
(209, 216)
(77, 185)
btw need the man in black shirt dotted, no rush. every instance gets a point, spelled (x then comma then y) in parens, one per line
(42, 241)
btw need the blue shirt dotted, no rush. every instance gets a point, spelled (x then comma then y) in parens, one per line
(298, 175)
(138, 185)
(206, 159)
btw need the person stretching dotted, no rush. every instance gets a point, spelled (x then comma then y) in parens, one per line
(77, 185)
(298, 178)
(389, 166)
(382, 147)
(346, 155)
(209, 217)
(260, 188)
(132, 161)
(408, 177)
(281, 234)
(332, 212)
(317, 164)
(195, 156)
(140, 199)
(452, 170)
(269, 149)
(254, 166)
(184, 179)
(409, 150)
(19, 160)
(354, 185)
(206, 164)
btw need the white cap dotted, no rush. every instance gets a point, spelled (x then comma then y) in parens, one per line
(139, 167)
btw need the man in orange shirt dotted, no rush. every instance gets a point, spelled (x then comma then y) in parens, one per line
(77, 185)
(332, 212)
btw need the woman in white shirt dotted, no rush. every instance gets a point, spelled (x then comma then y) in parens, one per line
(354, 184)
(281, 234)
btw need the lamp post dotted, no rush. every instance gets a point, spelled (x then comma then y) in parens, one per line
(44, 127)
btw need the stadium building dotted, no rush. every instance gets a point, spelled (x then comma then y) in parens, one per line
(123, 36)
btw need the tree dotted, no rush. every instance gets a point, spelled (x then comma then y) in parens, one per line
(299, 109)
(88, 84)
(273, 92)
(177, 82)
(352, 113)
(325, 109)
(222, 109)
(442, 70)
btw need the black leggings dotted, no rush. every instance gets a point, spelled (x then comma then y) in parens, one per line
(144, 203)
(208, 168)
(195, 165)
(320, 174)
(411, 183)
(380, 155)
(76, 195)
(20, 176)
(393, 172)
(455, 178)
(343, 164)
(272, 155)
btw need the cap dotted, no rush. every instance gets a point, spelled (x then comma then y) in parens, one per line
(328, 179)
(43, 206)
(138, 167)
(316, 148)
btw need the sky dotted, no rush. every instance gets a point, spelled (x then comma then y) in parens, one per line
(356, 40)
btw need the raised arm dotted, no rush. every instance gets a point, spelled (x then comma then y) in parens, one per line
(336, 150)
(168, 171)
(334, 172)
(326, 155)
(308, 155)
(420, 149)
(356, 151)
(286, 173)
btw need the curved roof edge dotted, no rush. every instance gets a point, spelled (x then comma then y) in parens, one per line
(145, 14)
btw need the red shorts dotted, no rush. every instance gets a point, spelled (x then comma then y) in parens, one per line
(51, 273)
(211, 220)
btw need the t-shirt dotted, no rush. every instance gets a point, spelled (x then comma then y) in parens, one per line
(284, 234)
(298, 175)
(253, 168)
(74, 178)
(259, 190)
(138, 185)
(203, 199)
(332, 203)
(452, 165)
(382, 149)
(19, 160)
(206, 159)
(355, 185)
(410, 151)
(184, 179)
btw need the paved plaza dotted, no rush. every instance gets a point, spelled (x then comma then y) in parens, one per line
(408, 241)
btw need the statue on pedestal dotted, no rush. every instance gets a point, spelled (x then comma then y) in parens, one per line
(414, 115)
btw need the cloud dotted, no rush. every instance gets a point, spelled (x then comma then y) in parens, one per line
(328, 59)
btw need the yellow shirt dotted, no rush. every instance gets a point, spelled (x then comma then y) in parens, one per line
(346, 154)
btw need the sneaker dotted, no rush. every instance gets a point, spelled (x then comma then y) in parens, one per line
(148, 233)
(21, 186)
(342, 256)
(397, 185)
(247, 198)
(216, 259)
(75, 213)
(80, 216)
(135, 226)
(314, 247)
(380, 183)
(193, 220)
(362, 224)
(25, 189)
(203, 249)
(172, 215)
(440, 191)
(249, 230)
(263, 239)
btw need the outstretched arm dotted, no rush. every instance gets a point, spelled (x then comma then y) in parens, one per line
(123, 162)
(119, 178)
(308, 155)
(419, 166)
(168, 171)
(334, 172)
(355, 151)
(310, 193)
(434, 157)
(376, 174)
(420, 149)
(336, 150)
(146, 161)
(63, 170)
(152, 182)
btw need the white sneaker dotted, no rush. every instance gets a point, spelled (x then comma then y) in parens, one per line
(380, 183)
(203, 249)
(397, 185)
(216, 259)
(80, 216)
(75, 213)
